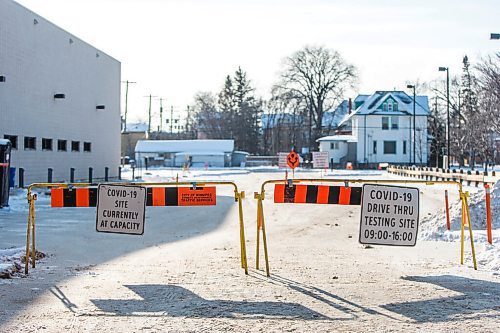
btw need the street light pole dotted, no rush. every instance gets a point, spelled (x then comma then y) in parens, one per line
(411, 86)
(448, 152)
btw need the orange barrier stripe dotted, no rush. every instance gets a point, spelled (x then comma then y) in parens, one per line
(279, 193)
(158, 196)
(323, 194)
(300, 193)
(82, 197)
(56, 197)
(345, 195)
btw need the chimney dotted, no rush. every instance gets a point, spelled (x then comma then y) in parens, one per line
(350, 106)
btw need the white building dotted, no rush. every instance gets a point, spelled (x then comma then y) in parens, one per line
(177, 153)
(380, 129)
(60, 100)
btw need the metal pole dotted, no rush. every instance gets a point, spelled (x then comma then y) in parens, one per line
(161, 114)
(149, 115)
(414, 132)
(448, 151)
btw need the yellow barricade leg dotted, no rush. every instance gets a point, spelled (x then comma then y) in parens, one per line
(264, 240)
(244, 263)
(33, 228)
(28, 233)
(470, 231)
(462, 229)
(259, 221)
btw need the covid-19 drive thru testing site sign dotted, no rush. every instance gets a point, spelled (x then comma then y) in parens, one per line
(389, 215)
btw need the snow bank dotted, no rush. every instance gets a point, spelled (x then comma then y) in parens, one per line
(10, 261)
(434, 227)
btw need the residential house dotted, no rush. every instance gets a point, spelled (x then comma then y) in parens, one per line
(380, 129)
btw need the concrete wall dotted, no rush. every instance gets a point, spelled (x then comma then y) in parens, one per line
(39, 60)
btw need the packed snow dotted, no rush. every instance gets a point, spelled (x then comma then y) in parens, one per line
(488, 255)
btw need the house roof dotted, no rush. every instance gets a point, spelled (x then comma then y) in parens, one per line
(271, 120)
(372, 105)
(185, 146)
(332, 118)
(347, 138)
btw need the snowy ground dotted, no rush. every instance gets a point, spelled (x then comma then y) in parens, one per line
(184, 274)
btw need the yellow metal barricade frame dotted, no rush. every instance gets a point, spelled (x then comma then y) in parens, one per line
(261, 196)
(31, 227)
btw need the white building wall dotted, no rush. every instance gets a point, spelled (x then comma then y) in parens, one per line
(336, 154)
(39, 59)
(372, 131)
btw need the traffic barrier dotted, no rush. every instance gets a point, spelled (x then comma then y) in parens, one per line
(157, 194)
(295, 191)
(318, 194)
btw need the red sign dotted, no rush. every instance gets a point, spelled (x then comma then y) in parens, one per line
(205, 196)
(292, 160)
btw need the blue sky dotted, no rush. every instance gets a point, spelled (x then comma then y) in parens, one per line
(174, 48)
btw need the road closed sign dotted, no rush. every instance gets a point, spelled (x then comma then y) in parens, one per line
(389, 215)
(120, 209)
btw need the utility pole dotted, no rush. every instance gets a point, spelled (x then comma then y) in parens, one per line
(161, 114)
(171, 118)
(126, 102)
(149, 113)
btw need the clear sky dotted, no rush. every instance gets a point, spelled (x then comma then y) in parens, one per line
(175, 48)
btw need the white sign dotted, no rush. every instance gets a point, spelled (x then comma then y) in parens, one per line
(120, 209)
(282, 160)
(320, 160)
(389, 215)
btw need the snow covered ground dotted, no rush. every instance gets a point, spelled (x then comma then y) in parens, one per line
(434, 227)
(184, 273)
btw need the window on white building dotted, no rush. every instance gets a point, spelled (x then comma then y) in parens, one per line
(389, 106)
(29, 143)
(375, 147)
(62, 145)
(46, 144)
(389, 147)
(394, 122)
(12, 139)
(385, 123)
(334, 146)
(404, 147)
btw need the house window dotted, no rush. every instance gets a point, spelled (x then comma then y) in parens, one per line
(384, 106)
(385, 123)
(389, 147)
(395, 107)
(334, 146)
(62, 145)
(389, 106)
(375, 147)
(404, 147)
(87, 147)
(46, 144)
(12, 139)
(75, 145)
(394, 122)
(29, 143)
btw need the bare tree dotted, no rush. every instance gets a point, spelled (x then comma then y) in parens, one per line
(320, 76)
(209, 122)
